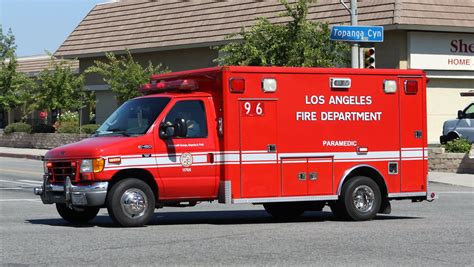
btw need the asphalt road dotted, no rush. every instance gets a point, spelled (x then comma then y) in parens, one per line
(430, 234)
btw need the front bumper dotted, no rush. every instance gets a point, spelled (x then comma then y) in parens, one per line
(77, 195)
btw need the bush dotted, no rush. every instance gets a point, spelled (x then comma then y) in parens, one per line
(69, 116)
(460, 145)
(89, 128)
(43, 128)
(68, 127)
(17, 127)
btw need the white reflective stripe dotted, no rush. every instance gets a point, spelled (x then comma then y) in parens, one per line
(258, 162)
(254, 151)
(412, 153)
(227, 157)
(366, 160)
(255, 157)
(413, 148)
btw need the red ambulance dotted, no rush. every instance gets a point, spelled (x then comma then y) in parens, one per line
(291, 139)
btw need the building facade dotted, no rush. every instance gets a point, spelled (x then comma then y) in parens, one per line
(434, 35)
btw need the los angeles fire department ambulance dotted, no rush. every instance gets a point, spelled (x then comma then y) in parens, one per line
(292, 139)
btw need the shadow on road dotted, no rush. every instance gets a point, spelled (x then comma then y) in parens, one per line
(212, 217)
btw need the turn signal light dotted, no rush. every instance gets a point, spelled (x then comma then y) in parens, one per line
(116, 160)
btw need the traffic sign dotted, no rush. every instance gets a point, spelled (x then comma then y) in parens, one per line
(373, 34)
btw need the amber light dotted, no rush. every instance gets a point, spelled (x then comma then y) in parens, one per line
(116, 160)
(49, 164)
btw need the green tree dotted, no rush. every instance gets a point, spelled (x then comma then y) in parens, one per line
(59, 87)
(15, 87)
(299, 42)
(124, 74)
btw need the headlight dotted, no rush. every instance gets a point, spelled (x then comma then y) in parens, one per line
(92, 165)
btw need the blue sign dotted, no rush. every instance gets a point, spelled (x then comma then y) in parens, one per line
(357, 33)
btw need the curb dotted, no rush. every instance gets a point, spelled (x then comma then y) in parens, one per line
(22, 156)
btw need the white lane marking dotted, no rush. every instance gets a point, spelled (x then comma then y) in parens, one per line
(21, 171)
(21, 199)
(31, 181)
(14, 188)
(14, 182)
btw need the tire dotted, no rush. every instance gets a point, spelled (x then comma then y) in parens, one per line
(451, 136)
(131, 202)
(285, 211)
(77, 216)
(360, 199)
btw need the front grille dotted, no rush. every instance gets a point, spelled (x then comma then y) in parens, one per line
(62, 169)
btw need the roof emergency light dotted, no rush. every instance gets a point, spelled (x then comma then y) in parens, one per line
(237, 85)
(411, 87)
(164, 86)
(269, 85)
(390, 86)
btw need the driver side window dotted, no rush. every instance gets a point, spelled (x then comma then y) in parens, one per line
(193, 113)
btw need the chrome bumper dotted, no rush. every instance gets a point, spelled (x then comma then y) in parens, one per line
(77, 195)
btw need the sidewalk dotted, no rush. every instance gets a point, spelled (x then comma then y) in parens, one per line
(437, 177)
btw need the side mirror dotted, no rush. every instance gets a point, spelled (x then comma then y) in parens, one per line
(460, 114)
(180, 128)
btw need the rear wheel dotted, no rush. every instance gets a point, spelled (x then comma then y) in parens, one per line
(131, 202)
(77, 215)
(360, 199)
(285, 211)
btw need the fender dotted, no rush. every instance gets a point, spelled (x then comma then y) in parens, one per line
(349, 171)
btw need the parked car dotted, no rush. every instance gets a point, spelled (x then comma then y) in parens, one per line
(463, 126)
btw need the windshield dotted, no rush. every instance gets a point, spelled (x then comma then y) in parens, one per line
(134, 117)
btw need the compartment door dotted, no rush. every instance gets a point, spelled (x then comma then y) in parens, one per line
(412, 135)
(258, 148)
(320, 176)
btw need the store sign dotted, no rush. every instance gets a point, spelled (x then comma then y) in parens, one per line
(441, 51)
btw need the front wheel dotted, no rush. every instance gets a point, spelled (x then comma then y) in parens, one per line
(360, 199)
(77, 215)
(131, 202)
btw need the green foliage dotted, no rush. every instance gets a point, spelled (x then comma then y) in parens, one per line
(43, 128)
(68, 127)
(15, 87)
(299, 42)
(17, 127)
(124, 74)
(460, 145)
(60, 87)
(89, 128)
(69, 116)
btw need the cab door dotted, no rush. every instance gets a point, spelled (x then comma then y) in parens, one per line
(185, 164)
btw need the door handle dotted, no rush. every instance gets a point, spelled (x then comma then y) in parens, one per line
(210, 157)
(271, 148)
(302, 176)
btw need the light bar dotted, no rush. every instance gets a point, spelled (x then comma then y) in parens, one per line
(164, 86)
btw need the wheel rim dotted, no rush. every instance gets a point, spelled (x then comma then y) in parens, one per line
(134, 203)
(363, 198)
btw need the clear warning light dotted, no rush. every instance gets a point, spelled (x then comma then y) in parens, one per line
(340, 83)
(390, 86)
(269, 85)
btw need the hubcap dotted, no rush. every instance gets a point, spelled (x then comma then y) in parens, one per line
(363, 198)
(134, 203)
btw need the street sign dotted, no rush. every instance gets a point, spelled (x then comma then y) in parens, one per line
(373, 34)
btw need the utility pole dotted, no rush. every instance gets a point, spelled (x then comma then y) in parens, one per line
(355, 46)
